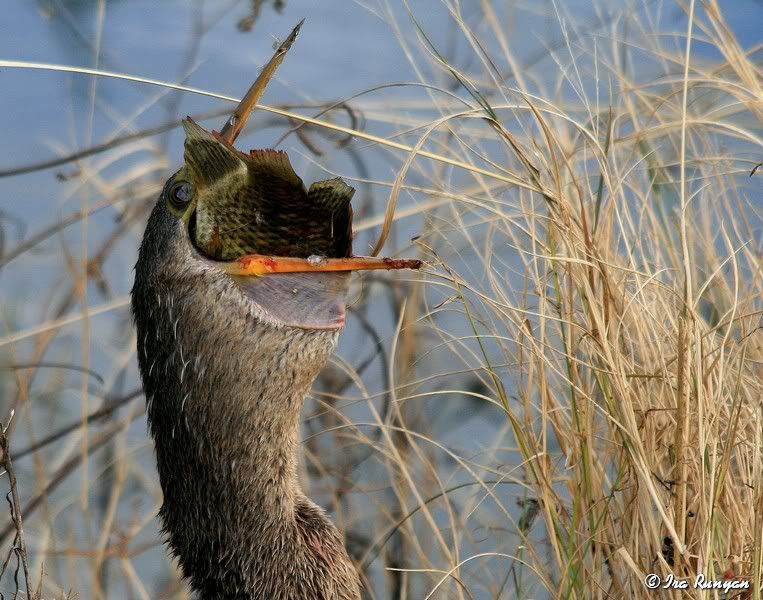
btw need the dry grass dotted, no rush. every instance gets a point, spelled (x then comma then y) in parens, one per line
(570, 395)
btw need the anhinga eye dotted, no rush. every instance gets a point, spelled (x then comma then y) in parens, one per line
(181, 193)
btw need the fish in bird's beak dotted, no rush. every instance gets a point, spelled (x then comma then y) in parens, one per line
(251, 215)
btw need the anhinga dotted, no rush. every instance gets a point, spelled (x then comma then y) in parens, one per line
(238, 302)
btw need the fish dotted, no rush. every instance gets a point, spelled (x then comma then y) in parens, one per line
(255, 203)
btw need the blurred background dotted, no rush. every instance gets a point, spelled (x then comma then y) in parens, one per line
(406, 439)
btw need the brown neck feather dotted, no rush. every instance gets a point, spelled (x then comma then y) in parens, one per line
(224, 393)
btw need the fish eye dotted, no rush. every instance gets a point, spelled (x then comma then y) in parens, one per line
(181, 193)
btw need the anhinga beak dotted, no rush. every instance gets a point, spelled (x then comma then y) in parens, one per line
(261, 264)
(258, 264)
(241, 113)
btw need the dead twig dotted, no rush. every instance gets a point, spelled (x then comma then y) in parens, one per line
(108, 408)
(19, 545)
(69, 466)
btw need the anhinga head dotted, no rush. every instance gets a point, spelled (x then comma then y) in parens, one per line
(239, 294)
(248, 217)
(223, 204)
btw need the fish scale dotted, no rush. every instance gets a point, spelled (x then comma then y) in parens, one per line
(256, 204)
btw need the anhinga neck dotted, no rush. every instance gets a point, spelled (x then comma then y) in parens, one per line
(224, 394)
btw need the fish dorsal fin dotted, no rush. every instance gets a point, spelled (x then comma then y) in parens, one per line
(277, 191)
(275, 163)
(208, 158)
